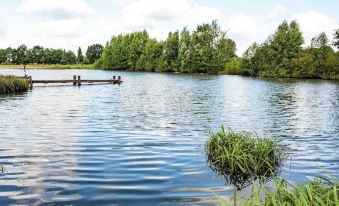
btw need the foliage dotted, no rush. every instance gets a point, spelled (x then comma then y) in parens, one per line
(234, 66)
(316, 192)
(93, 52)
(336, 39)
(241, 157)
(282, 55)
(80, 57)
(40, 55)
(148, 61)
(12, 84)
(207, 50)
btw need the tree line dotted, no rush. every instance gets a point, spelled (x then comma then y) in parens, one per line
(205, 50)
(41, 55)
(283, 55)
(208, 50)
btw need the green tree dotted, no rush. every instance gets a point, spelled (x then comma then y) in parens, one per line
(210, 48)
(249, 62)
(336, 39)
(21, 55)
(80, 56)
(3, 56)
(170, 53)
(184, 54)
(93, 52)
(149, 59)
(36, 54)
(275, 57)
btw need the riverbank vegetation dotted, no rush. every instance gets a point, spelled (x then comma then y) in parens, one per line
(241, 157)
(39, 55)
(12, 84)
(48, 66)
(316, 192)
(282, 55)
(207, 49)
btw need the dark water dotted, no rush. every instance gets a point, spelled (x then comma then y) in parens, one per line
(142, 142)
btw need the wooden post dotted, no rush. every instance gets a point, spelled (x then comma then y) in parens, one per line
(113, 80)
(79, 81)
(30, 82)
(74, 79)
(119, 79)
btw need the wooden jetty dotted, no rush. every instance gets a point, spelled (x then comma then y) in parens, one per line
(76, 81)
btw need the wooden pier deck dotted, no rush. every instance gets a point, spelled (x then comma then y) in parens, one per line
(76, 81)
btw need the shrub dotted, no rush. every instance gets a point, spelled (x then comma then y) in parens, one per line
(241, 157)
(12, 84)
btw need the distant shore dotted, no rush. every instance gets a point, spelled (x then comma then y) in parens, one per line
(48, 66)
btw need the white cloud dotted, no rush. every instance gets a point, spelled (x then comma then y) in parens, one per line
(246, 29)
(312, 23)
(157, 15)
(277, 11)
(63, 28)
(58, 9)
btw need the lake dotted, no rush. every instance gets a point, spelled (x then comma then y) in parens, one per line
(142, 142)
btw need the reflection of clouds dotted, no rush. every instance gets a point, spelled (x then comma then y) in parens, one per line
(143, 140)
(38, 143)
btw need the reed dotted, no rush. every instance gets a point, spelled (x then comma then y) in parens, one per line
(315, 193)
(242, 157)
(12, 84)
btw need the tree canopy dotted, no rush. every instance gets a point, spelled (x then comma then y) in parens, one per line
(206, 50)
(40, 55)
(282, 55)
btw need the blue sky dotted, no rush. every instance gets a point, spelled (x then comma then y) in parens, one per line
(72, 23)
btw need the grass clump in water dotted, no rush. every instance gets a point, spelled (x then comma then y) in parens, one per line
(12, 84)
(242, 157)
(315, 193)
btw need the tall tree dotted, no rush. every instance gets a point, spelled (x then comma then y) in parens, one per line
(336, 39)
(184, 55)
(210, 48)
(149, 59)
(80, 56)
(21, 54)
(93, 52)
(170, 53)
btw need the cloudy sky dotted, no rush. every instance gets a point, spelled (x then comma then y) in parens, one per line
(72, 23)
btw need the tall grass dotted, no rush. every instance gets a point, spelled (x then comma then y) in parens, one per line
(12, 84)
(241, 157)
(315, 193)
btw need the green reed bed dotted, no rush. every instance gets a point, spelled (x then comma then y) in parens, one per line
(242, 157)
(315, 193)
(12, 84)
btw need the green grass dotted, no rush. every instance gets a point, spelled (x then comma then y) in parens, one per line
(315, 193)
(49, 66)
(12, 84)
(242, 157)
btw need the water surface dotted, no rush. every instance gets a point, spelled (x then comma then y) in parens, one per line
(142, 142)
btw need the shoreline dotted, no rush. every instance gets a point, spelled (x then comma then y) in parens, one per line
(48, 66)
(91, 67)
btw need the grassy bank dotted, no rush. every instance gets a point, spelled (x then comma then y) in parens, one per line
(48, 66)
(241, 157)
(12, 84)
(316, 192)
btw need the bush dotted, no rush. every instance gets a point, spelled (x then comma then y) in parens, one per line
(12, 84)
(241, 157)
(234, 67)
